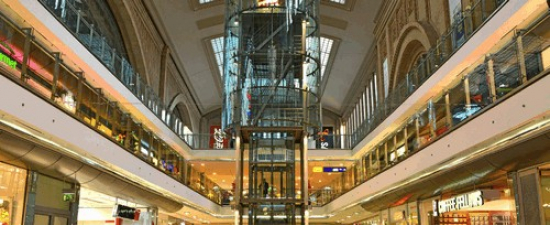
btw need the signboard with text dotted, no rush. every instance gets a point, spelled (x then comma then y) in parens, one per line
(468, 200)
(126, 212)
(334, 169)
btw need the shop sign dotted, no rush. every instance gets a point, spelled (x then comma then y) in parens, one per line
(334, 169)
(317, 169)
(126, 212)
(459, 202)
(8, 61)
(217, 138)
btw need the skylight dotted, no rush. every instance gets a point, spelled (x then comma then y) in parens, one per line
(326, 47)
(217, 48)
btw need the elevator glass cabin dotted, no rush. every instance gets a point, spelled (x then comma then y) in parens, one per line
(270, 104)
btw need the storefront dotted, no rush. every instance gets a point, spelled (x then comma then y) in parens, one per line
(12, 194)
(492, 203)
(50, 201)
(99, 209)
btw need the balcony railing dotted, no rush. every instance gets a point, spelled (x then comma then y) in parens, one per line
(471, 20)
(27, 62)
(86, 32)
(488, 82)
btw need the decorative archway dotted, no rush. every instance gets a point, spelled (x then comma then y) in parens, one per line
(178, 104)
(415, 39)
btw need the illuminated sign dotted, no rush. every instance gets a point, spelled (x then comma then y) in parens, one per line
(8, 61)
(268, 3)
(126, 212)
(317, 169)
(459, 202)
(334, 169)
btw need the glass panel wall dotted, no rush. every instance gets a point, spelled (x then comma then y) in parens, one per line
(468, 96)
(48, 77)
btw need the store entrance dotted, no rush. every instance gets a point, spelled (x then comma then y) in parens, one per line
(42, 219)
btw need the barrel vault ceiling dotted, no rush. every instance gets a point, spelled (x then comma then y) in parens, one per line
(188, 28)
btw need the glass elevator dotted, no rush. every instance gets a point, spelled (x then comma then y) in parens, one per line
(271, 76)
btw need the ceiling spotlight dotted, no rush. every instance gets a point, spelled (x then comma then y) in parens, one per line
(186, 213)
(348, 216)
(202, 164)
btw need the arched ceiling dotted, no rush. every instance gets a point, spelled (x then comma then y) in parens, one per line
(187, 31)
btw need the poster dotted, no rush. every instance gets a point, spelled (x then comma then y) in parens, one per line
(326, 138)
(457, 23)
(218, 139)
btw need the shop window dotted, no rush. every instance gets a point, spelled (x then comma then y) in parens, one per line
(491, 204)
(12, 195)
(412, 137)
(426, 132)
(442, 120)
(400, 148)
(390, 147)
(457, 103)
(545, 193)
(398, 215)
(479, 87)
(381, 160)
(506, 68)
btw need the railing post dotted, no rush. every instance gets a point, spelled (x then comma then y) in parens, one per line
(81, 81)
(468, 24)
(112, 64)
(54, 93)
(521, 56)
(128, 139)
(91, 37)
(26, 54)
(448, 114)
(417, 128)
(78, 19)
(466, 83)
(98, 107)
(491, 77)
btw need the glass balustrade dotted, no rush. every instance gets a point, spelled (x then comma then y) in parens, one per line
(469, 22)
(25, 61)
(76, 21)
(505, 70)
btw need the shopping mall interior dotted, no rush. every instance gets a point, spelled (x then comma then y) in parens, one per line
(178, 112)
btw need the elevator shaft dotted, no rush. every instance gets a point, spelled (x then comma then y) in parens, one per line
(271, 77)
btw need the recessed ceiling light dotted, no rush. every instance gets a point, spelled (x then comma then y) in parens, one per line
(202, 164)
(186, 213)
(214, 173)
(319, 181)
